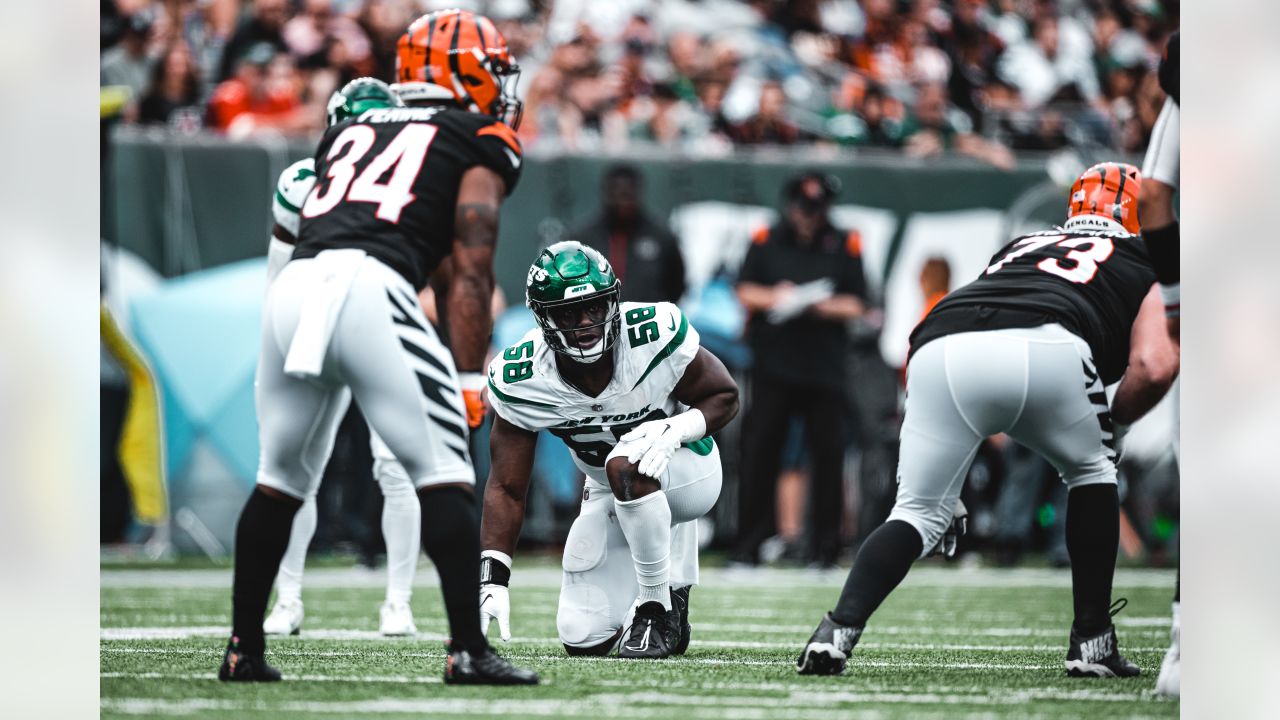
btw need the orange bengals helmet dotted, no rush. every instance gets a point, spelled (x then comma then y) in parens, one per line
(1108, 190)
(460, 56)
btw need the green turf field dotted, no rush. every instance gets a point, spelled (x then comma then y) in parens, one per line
(952, 642)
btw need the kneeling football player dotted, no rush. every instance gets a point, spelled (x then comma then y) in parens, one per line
(629, 390)
(1027, 349)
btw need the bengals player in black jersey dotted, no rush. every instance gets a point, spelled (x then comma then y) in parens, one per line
(398, 189)
(1026, 349)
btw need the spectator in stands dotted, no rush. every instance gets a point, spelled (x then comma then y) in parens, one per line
(1039, 68)
(264, 25)
(259, 95)
(934, 128)
(645, 255)
(319, 38)
(129, 64)
(974, 52)
(769, 126)
(802, 282)
(174, 93)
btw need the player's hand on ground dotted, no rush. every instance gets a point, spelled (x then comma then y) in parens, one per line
(473, 385)
(495, 604)
(652, 445)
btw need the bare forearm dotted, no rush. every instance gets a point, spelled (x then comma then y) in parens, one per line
(839, 307)
(754, 297)
(502, 519)
(470, 319)
(718, 409)
(1145, 384)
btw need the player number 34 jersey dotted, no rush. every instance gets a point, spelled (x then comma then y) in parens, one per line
(650, 356)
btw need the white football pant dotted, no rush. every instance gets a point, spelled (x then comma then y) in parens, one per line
(1039, 385)
(599, 586)
(385, 352)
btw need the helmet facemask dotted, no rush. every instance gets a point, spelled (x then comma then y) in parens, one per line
(563, 323)
(507, 108)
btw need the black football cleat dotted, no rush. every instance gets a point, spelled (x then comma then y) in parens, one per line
(238, 666)
(828, 648)
(1098, 656)
(680, 603)
(654, 633)
(484, 668)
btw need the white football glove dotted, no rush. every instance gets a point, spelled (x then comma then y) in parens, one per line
(657, 440)
(495, 604)
(654, 444)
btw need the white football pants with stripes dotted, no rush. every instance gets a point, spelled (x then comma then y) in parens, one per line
(385, 353)
(599, 588)
(1039, 385)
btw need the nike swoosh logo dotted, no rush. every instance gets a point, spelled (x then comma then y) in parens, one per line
(515, 159)
(673, 325)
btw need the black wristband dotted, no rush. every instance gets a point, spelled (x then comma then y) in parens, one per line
(493, 572)
(1163, 248)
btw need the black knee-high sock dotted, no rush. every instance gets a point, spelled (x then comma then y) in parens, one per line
(262, 534)
(451, 537)
(882, 562)
(1093, 538)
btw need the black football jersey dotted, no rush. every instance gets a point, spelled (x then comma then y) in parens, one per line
(387, 183)
(1091, 283)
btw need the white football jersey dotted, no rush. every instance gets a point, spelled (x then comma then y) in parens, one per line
(292, 189)
(655, 345)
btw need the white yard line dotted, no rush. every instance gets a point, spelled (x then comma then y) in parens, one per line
(215, 631)
(778, 580)
(214, 652)
(400, 679)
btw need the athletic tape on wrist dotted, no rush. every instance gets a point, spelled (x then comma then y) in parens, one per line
(1172, 295)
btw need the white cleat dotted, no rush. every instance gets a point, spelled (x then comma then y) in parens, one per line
(397, 620)
(1169, 682)
(285, 618)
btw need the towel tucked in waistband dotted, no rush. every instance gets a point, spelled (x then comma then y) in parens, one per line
(319, 315)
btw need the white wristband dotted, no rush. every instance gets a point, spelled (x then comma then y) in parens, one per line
(498, 555)
(691, 425)
(471, 381)
(1172, 295)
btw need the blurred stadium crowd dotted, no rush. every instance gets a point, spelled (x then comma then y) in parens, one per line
(984, 78)
(976, 77)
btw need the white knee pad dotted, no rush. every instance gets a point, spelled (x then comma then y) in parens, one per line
(583, 617)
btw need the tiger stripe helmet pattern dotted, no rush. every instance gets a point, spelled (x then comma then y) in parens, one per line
(460, 55)
(1109, 190)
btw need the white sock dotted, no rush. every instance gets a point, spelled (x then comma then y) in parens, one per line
(402, 531)
(646, 523)
(289, 578)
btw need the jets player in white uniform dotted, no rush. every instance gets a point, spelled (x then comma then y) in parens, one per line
(629, 390)
(401, 512)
